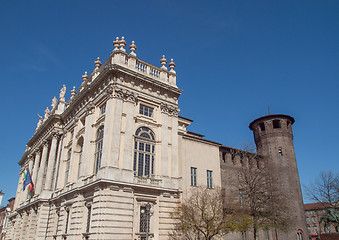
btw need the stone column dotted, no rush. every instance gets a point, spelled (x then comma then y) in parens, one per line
(51, 162)
(115, 134)
(57, 167)
(42, 167)
(36, 167)
(128, 136)
(108, 125)
(87, 155)
(164, 144)
(174, 155)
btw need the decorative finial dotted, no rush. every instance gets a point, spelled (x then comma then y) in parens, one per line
(97, 63)
(132, 47)
(85, 77)
(116, 44)
(163, 62)
(73, 92)
(122, 44)
(172, 65)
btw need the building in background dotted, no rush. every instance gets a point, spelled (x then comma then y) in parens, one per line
(5, 211)
(314, 213)
(118, 148)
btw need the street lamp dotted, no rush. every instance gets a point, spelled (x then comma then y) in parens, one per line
(149, 213)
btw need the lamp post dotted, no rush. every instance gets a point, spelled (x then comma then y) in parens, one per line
(148, 216)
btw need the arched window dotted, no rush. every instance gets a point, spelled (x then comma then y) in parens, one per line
(299, 235)
(143, 164)
(98, 149)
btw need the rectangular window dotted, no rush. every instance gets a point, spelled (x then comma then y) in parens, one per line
(307, 220)
(193, 176)
(276, 124)
(243, 236)
(241, 196)
(147, 111)
(314, 220)
(209, 179)
(102, 109)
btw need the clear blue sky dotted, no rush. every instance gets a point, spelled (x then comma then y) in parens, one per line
(234, 58)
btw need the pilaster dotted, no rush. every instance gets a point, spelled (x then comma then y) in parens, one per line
(42, 168)
(87, 152)
(51, 162)
(36, 167)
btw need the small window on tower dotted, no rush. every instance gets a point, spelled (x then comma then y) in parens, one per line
(262, 126)
(276, 124)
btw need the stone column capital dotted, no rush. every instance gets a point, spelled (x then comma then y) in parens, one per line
(37, 152)
(45, 143)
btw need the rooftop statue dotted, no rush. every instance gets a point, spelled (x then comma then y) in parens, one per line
(62, 93)
(47, 113)
(39, 122)
(54, 103)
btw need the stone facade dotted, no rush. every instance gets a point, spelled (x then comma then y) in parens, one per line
(116, 146)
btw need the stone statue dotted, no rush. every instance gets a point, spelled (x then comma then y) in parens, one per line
(39, 122)
(54, 102)
(62, 93)
(332, 217)
(47, 113)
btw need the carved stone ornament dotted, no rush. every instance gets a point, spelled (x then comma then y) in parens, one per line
(125, 95)
(45, 143)
(90, 109)
(169, 110)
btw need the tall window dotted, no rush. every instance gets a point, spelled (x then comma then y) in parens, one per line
(241, 196)
(67, 209)
(193, 176)
(68, 162)
(89, 213)
(209, 179)
(144, 146)
(299, 236)
(147, 111)
(102, 109)
(98, 149)
(79, 149)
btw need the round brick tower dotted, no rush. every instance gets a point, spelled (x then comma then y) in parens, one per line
(273, 137)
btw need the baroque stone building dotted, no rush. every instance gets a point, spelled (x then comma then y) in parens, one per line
(118, 146)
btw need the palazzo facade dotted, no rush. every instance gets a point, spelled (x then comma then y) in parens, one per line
(115, 147)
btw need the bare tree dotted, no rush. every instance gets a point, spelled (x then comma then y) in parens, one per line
(259, 193)
(325, 190)
(203, 216)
